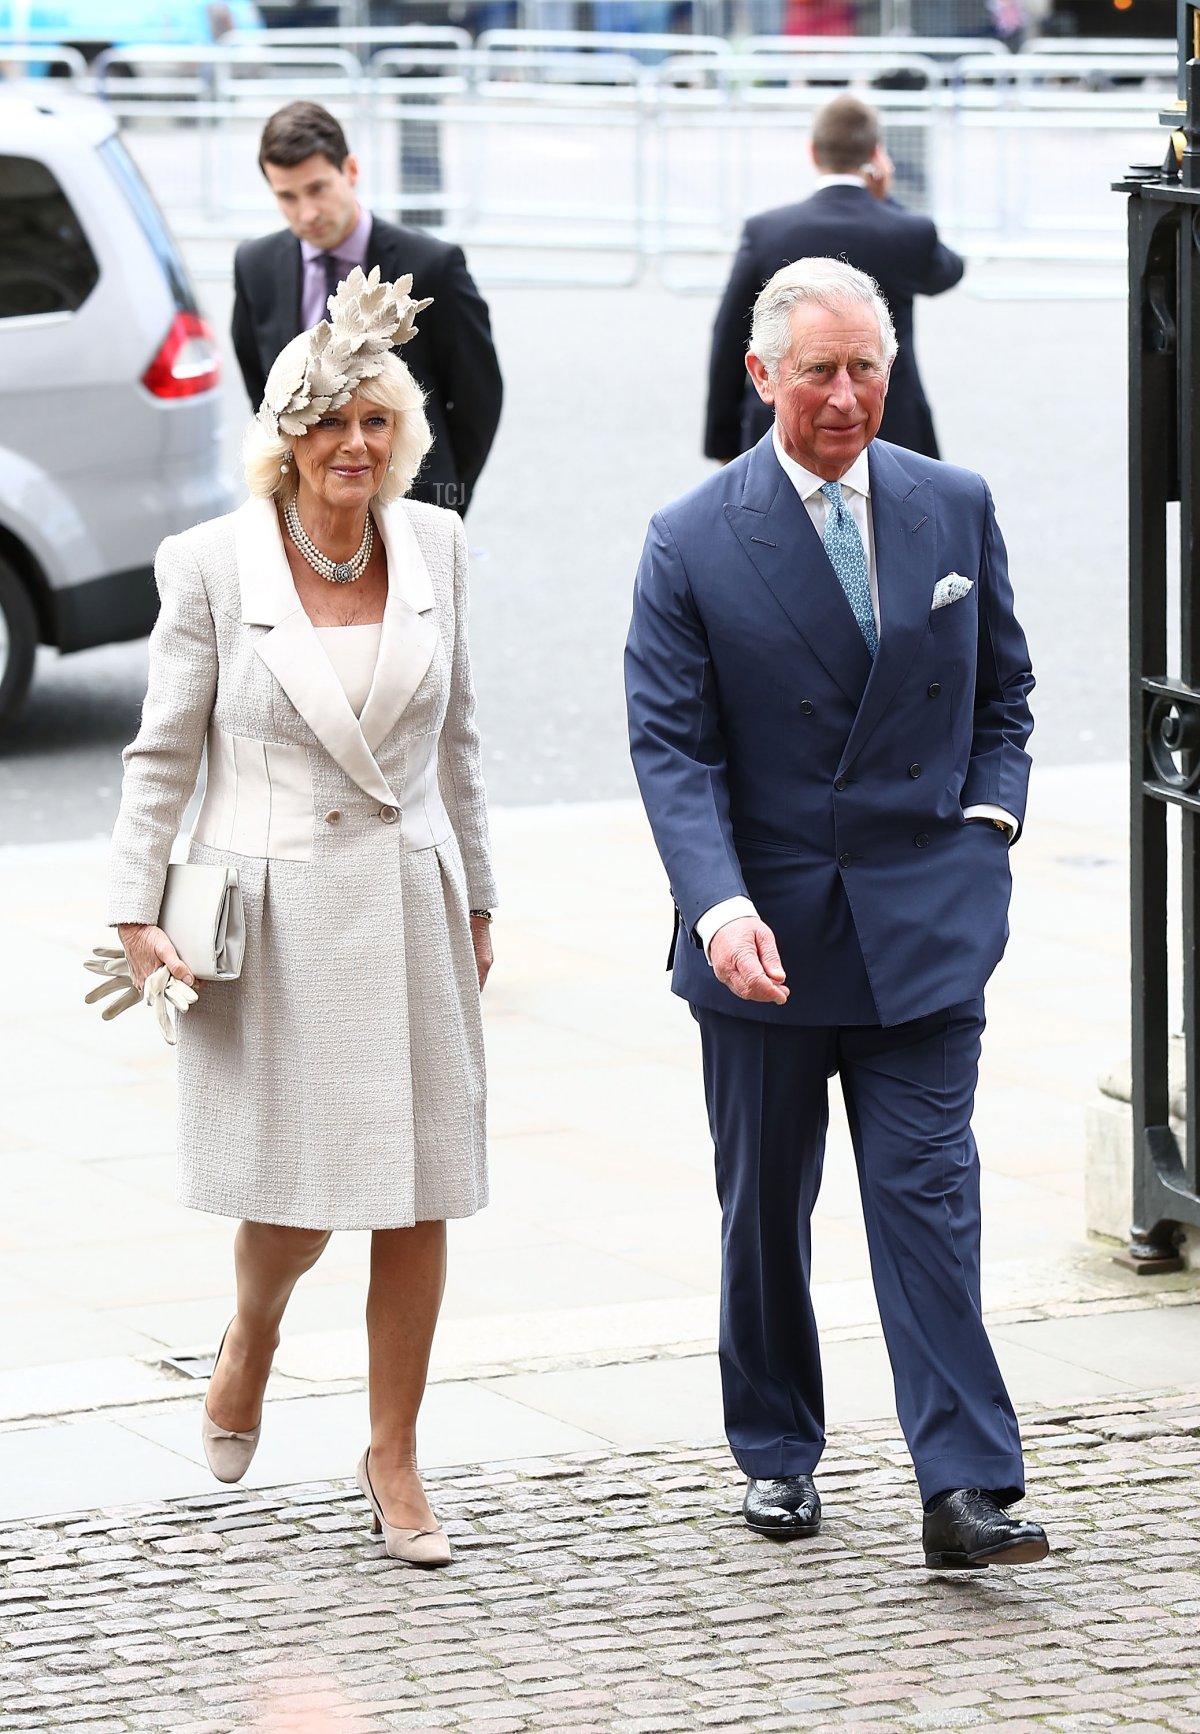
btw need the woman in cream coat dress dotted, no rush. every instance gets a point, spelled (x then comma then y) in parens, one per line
(339, 1083)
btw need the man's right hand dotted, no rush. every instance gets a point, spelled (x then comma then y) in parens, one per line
(745, 958)
(880, 174)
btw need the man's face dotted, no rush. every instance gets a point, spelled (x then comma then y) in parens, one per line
(828, 398)
(317, 200)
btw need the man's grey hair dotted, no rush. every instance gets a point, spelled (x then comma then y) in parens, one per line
(828, 283)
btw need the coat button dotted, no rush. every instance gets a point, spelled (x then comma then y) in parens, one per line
(389, 815)
(840, 784)
(845, 858)
(806, 707)
(914, 770)
(922, 839)
(935, 686)
(333, 816)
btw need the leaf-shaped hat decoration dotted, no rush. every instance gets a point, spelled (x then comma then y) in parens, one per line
(322, 369)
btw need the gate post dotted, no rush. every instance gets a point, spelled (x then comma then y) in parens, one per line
(1164, 454)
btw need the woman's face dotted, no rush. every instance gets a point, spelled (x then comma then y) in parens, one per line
(343, 459)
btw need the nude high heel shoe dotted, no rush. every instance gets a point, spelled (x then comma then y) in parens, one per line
(229, 1454)
(413, 1546)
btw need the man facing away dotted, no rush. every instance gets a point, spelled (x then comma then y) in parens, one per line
(828, 705)
(852, 216)
(282, 283)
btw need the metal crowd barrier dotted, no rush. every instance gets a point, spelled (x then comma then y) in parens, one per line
(189, 84)
(357, 38)
(587, 157)
(39, 55)
(1035, 128)
(875, 49)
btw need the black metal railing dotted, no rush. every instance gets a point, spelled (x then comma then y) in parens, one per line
(1164, 451)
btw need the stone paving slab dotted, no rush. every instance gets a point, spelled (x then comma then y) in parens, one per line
(621, 1593)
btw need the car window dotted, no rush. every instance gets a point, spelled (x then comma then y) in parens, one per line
(46, 265)
(122, 166)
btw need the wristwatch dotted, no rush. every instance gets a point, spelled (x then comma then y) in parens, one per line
(480, 914)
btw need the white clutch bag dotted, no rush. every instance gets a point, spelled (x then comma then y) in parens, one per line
(203, 917)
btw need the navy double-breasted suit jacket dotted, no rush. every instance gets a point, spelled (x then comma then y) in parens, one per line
(777, 761)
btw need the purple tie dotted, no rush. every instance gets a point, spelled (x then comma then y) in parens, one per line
(332, 267)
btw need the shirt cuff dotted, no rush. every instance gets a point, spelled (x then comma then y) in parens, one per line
(720, 915)
(985, 810)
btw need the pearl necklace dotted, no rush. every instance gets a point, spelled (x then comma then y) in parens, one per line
(335, 571)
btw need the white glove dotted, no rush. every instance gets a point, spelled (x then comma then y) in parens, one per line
(114, 966)
(161, 990)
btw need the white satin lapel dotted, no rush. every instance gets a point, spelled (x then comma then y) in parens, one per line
(292, 651)
(268, 594)
(410, 633)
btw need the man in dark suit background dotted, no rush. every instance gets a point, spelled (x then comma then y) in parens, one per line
(850, 216)
(828, 709)
(282, 281)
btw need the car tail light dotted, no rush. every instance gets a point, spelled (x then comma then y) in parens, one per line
(187, 361)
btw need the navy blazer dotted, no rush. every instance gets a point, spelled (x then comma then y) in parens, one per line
(899, 248)
(777, 762)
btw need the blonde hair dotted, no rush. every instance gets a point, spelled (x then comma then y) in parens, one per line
(394, 388)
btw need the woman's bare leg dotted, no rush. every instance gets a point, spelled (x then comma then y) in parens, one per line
(268, 1261)
(408, 1274)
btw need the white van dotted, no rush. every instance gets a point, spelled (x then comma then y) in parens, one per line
(109, 384)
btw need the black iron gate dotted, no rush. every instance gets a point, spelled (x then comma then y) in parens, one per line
(1164, 452)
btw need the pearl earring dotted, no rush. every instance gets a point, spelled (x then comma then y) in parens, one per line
(286, 465)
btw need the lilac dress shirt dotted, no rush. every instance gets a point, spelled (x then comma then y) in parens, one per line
(350, 252)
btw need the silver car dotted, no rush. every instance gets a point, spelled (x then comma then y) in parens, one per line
(108, 381)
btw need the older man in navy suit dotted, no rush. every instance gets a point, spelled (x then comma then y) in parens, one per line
(828, 705)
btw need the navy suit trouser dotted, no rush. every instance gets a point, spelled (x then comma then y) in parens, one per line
(909, 1092)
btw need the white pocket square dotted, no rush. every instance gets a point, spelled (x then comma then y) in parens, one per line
(952, 588)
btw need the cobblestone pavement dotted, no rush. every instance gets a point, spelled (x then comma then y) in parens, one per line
(622, 1593)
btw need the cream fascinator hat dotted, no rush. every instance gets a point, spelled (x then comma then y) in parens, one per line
(322, 369)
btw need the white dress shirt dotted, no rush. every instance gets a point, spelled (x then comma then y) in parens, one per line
(856, 492)
(839, 181)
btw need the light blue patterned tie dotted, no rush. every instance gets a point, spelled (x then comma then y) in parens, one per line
(848, 558)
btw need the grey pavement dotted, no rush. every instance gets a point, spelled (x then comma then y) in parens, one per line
(617, 1592)
(571, 1432)
(582, 1304)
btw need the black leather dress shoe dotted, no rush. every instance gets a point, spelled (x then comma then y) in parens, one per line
(784, 1509)
(969, 1531)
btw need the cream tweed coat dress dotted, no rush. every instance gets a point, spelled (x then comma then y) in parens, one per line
(340, 1082)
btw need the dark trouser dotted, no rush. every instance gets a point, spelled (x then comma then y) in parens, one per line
(909, 1092)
